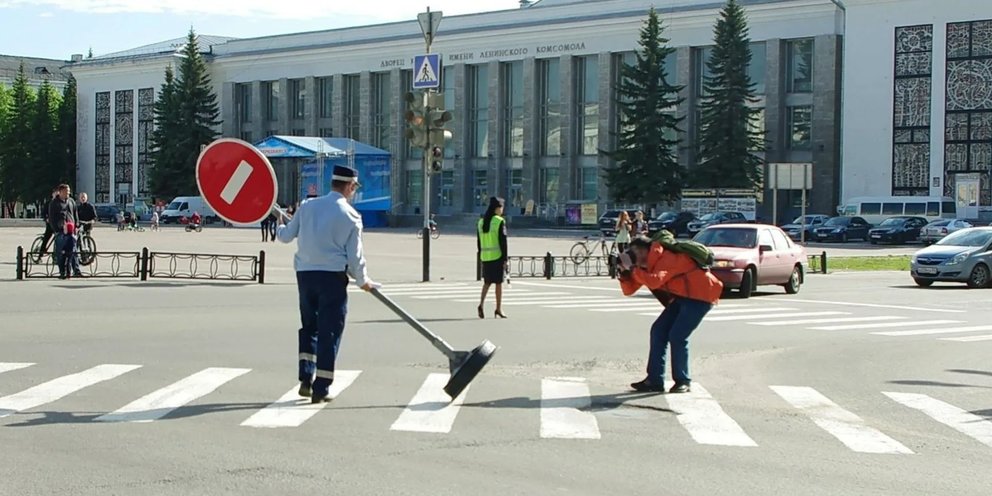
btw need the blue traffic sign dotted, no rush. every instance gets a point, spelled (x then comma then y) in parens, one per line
(427, 71)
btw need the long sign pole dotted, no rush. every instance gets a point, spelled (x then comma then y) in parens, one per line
(429, 22)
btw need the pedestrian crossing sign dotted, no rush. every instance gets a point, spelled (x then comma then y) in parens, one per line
(427, 71)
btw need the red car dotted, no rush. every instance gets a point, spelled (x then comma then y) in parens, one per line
(750, 255)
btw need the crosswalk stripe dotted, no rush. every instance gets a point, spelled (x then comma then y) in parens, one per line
(734, 311)
(960, 420)
(290, 410)
(446, 296)
(970, 339)
(430, 410)
(615, 305)
(705, 420)
(912, 323)
(946, 330)
(847, 427)
(430, 291)
(648, 306)
(763, 316)
(542, 299)
(159, 403)
(418, 285)
(562, 402)
(60, 387)
(12, 366)
(824, 321)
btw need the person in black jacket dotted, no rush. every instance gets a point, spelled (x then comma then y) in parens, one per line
(62, 210)
(87, 214)
(49, 231)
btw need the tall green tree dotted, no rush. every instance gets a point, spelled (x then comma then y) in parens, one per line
(727, 138)
(186, 115)
(16, 146)
(5, 102)
(646, 163)
(67, 133)
(45, 164)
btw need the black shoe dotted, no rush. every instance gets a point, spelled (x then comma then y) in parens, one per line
(321, 398)
(680, 388)
(305, 390)
(647, 386)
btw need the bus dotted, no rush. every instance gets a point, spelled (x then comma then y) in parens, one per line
(875, 209)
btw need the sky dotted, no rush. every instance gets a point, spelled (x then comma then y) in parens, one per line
(58, 28)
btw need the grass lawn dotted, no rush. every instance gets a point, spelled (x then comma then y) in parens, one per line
(890, 262)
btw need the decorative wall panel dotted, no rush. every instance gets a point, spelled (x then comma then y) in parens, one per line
(968, 123)
(102, 142)
(123, 145)
(911, 110)
(146, 119)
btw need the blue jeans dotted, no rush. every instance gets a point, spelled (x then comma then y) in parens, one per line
(67, 265)
(323, 306)
(674, 326)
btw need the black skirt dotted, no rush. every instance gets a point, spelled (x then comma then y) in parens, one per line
(493, 272)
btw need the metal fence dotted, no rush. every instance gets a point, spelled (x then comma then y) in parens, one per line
(148, 264)
(817, 263)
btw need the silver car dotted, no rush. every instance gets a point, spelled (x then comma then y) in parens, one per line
(936, 230)
(963, 256)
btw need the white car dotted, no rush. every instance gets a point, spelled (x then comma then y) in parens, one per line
(938, 229)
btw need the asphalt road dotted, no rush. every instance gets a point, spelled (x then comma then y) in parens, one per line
(860, 385)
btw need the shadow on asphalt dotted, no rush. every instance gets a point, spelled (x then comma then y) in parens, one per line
(970, 371)
(55, 418)
(400, 321)
(951, 286)
(172, 284)
(599, 402)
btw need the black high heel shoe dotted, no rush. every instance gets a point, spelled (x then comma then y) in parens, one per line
(500, 314)
(482, 314)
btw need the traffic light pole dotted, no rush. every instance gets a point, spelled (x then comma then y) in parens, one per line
(427, 195)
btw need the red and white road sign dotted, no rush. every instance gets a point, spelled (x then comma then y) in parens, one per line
(237, 181)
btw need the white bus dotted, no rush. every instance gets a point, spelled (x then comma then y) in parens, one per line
(875, 209)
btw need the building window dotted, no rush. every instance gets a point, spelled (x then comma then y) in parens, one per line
(800, 78)
(550, 107)
(515, 191)
(968, 125)
(352, 106)
(299, 132)
(549, 185)
(480, 187)
(478, 109)
(242, 95)
(447, 188)
(414, 187)
(245, 136)
(513, 108)
(297, 98)
(587, 103)
(270, 93)
(911, 110)
(800, 127)
(589, 183)
(325, 132)
(325, 97)
(381, 102)
(757, 125)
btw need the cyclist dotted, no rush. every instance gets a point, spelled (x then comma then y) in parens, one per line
(195, 220)
(87, 214)
(49, 231)
(154, 220)
(432, 223)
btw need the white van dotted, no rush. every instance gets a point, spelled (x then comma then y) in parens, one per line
(875, 209)
(184, 206)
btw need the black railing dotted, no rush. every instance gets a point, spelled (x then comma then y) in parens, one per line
(817, 263)
(549, 266)
(147, 264)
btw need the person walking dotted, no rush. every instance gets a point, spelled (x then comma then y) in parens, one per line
(686, 290)
(266, 226)
(623, 229)
(69, 253)
(640, 226)
(62, 210)
(491, 245)
(328, 231)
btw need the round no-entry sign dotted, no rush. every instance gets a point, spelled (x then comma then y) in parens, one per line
(236, 180)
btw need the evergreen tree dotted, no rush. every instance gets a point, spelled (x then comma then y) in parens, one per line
(6, 100)
(16, 146)
(45, 166)
(89, 54)
(647, 168)
(726, 140)
(186, 115)
(67, 133)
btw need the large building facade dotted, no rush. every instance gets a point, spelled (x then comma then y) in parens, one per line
(533, 93)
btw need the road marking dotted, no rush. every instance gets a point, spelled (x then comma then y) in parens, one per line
(12, 366)
(390, 288)
(705, 420)
(960, 420)
(825, 321)
(159, 403)
(970, 339)
(445, 295)
(910, 323)
(847, 427)
(61, 387)
(431, 291)
(763, 316)
(613, 289)
(290, 410)
(946, 330)
(875, 305)
(537, 299)
(562, 402)
(236, 182)
(430, 410)
(718, 311)
(623, 308)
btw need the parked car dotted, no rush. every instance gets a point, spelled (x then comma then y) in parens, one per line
(960, 257)
(676, 223)
(713, 219)
(900, 229)
(107, 213)
(608, 221)
(937, 230)
(750, 255)
(795, 228)
(842, 229)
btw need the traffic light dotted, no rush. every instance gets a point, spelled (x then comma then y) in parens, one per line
(416, 120)
(437, 159)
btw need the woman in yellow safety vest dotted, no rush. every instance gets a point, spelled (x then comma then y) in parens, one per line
(492, 253)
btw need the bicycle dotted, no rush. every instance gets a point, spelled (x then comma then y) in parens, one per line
(435, 233)
(87, 248)
(582, 250)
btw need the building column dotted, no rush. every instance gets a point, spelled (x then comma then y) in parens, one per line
(113, 147)
(285, 121)
(567, 163)
(460, 129)
(607, 120)
(257, 112)
(228, 112)
(684, 76)
(827, 57)
(397, 128)
(337, 106)
(365, 107)
(310, 105)
(775, 101)
(532, 131)
(135, 104)
(497, 141)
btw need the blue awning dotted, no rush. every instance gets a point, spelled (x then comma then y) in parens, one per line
(310, 147)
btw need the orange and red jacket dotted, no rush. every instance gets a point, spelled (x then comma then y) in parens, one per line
(673, 273)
